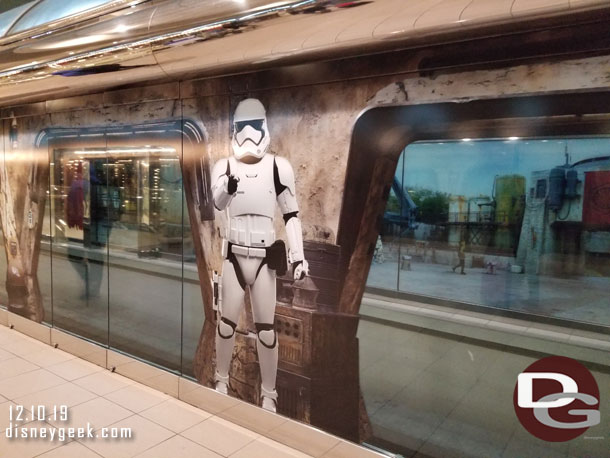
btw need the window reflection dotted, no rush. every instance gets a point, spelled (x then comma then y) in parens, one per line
(11, 12)
(527, 222)
(50, 10)
(144, 199)
(3, 260)
(79, 234)
(117, 231)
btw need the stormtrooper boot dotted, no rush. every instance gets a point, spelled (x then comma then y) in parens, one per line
(222, 383)
(269, 400)
(267, 349)
(225, 341)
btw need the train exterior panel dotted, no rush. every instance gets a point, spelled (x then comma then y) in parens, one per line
(113, 120)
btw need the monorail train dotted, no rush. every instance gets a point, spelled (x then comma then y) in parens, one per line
(425, 136)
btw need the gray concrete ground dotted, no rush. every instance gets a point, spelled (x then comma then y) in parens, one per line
(576, 298)
(444, 397)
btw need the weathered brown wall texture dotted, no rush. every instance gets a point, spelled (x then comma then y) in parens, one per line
(310, 125)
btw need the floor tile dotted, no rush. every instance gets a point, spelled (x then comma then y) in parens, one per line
(106, 400)
(448, 444)
(303, 438)
(434, 393)
(349, 450)
(136, 397)
(267, 448)
(5, 415)
(24, 346)
(7, 335)
(66, 394)
(27, 448)
(27, 383)
(15, 366)
(521, 446)
(252, 417)
(74, 368)
(145, 435)
(220, 436)
(103, 382)
(98, 412)
(71, 450)
(5, 355)
(48, 356)
(405, 425)
(175, 415)
(178, 447)
(203, 397)
(590, 446)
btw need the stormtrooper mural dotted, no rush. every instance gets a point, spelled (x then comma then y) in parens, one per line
(247, 187)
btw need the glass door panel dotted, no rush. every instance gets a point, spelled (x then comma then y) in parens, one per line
(79, 207)
(145, 242)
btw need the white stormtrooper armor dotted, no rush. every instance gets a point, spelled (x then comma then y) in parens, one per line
(247, 187)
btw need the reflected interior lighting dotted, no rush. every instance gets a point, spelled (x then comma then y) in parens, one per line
(466, 139)
(305, 2)
(127, 152)
(512, 139)
(81, 57)
(121, 28)
(75, 42)
(270, 8)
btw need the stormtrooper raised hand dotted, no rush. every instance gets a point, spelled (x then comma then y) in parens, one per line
(247, 187)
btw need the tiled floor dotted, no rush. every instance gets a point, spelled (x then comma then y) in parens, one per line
(436, 396)
(35, 374)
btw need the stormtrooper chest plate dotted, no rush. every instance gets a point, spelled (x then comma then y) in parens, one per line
(255, 191)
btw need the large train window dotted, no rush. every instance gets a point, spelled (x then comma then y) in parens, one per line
(478, 239)
(514, 224)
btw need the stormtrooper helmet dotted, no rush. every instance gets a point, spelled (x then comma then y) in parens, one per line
(250, 134)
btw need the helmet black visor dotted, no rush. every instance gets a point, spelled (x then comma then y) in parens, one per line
(256, 124)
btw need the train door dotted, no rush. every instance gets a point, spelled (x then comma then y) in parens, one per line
(117, 211)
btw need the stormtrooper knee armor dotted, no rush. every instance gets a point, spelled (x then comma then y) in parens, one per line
(246, 188)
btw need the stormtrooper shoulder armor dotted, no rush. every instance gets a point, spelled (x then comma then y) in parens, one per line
(283, 175)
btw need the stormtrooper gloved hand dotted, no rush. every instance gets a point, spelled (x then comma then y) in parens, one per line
(232, 184)
(300, 269)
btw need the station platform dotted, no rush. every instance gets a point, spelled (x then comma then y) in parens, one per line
(37, 377)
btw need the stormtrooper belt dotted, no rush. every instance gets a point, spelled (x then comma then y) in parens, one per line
(273, 256)
(247, 251)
